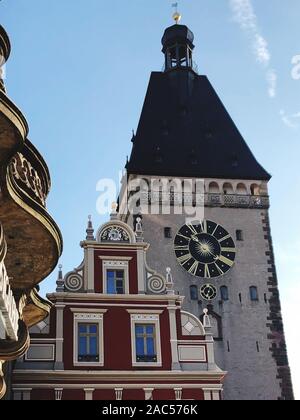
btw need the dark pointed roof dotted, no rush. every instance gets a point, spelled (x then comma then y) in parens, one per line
(185, 131)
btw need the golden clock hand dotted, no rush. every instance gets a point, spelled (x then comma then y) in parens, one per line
(216, 257)
(195, 239)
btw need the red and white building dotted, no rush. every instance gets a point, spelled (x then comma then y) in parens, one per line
(117, 331)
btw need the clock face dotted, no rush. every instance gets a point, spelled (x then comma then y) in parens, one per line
(208, 292)
(114, 234)
(205, 249)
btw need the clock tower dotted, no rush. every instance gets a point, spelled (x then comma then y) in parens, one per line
(204, 202)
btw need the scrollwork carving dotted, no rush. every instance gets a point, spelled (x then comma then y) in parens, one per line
(156, 285)
(73, 283)
(24, 172)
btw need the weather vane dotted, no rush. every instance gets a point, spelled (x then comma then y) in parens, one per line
(176, 15)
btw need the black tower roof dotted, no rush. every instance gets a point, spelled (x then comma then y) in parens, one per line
(184, 129)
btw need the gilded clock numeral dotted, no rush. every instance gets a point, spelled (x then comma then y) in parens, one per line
(182, 248)
(215, 230)
(204, 226)
(194, 268)
(206, 271)
(184, 258)
(192, 229)
(224, 238)
(226, 261)
(221, 272)
(185, 237)
(228, 250)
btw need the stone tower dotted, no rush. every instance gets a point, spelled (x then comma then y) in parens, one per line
(204, 202)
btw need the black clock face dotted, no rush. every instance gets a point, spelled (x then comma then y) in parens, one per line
(205, 250)
(208, 292)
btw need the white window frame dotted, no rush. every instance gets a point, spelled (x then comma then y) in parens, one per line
(95, 317)
(151, 318)
(119, 263)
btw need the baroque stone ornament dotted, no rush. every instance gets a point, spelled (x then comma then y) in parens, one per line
(156, 285)
(73, 283)
(24, 172)
(114, 234)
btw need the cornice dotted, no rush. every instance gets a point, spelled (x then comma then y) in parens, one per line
(115, 247)
(97, 297)
(116, 376)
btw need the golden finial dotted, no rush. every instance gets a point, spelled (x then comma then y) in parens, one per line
(176, 16)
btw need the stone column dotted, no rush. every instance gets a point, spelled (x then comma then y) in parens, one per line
(173, 336)
(141, 271)
(58, 394)
(209, 342)
(216, 395)
(27, 394)
(119, 394)
(89, 393)
(89, 270)
(178, 394)
(207, 394)
(148, 394)
(59, 365)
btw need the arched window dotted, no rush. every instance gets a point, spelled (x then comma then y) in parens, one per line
(194, 292)
(213, 188)
(228, 189)
(241, 189)
(253, 293)
(224, 293)
(255, 189)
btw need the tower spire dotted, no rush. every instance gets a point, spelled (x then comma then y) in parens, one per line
(178, 46)
(60, 284)
(90, 230)
(176, 16)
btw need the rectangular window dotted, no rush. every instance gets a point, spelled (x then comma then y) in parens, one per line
(239, 235)
(115, 282)
(88, 342)
(254, 294)
(145, 343)
(168, 232)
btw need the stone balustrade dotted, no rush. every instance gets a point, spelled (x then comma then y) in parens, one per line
(207, 199)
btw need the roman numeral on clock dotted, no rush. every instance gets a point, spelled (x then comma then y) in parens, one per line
(192, 229)
(206, 271)
(184, 258)
(194, 268)
(226, 261)
(182, 248)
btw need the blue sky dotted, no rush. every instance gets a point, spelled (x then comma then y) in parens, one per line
(79, 71)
